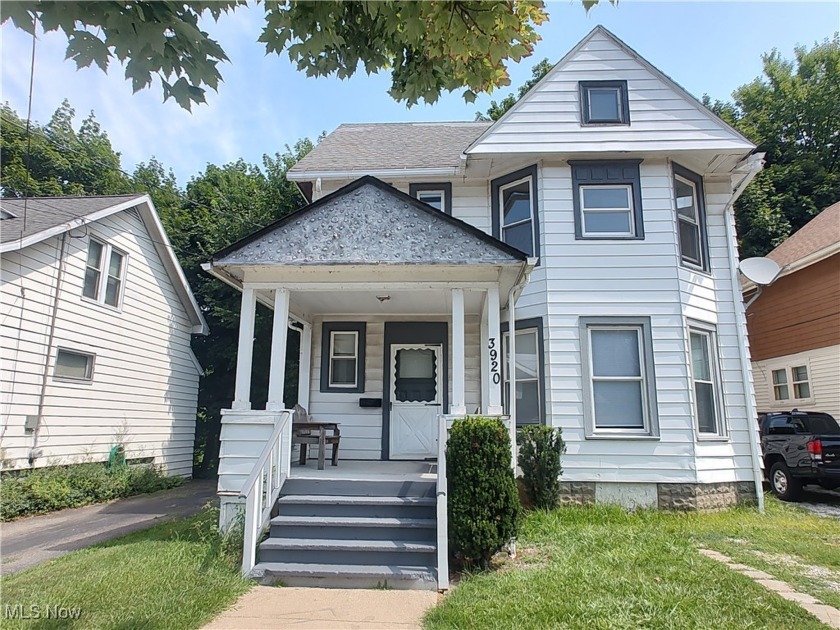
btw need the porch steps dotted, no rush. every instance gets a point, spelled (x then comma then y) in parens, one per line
(352, 534)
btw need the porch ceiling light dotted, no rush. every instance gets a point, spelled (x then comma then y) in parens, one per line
(383, 298)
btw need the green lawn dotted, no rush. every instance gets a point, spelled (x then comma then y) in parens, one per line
(600, 567)
(170, 576)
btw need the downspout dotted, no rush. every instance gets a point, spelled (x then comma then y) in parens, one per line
(33, 452)
(755, 163)
(518, 286)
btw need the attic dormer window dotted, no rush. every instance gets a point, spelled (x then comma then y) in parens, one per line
(604, 103)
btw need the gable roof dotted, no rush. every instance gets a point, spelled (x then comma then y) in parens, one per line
(368, 222)
(36, 219)
(815, 241)
(725, 136)
(377, 147)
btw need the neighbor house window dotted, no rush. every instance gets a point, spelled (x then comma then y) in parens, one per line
(343, 357)
(691, 228)
(791, 380)
(607, 199)
(104, 274)
(618, 366)
(604, 103)
(528, 389)
(704, 374)
(437, 195)
(77, 366)
(515, 210)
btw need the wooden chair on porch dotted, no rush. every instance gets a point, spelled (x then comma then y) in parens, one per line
(306, 431)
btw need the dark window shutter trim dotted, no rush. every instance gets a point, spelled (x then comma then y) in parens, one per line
(697, 180)
(585, 86)
(530, 324)
(446, 187)
(613, 172)
(497, 184)
(327, 328)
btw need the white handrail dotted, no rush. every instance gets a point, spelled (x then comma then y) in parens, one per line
(263, 486)
(442, 516)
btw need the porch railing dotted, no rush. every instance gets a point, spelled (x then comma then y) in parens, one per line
(444, 424)
(262, 488)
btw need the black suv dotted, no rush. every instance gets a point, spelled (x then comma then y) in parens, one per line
(799, 447)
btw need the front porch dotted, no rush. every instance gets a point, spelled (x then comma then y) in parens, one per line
(399, 309)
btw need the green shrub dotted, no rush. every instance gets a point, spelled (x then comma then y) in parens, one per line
(483, 502)
(23, 493)
(540, 449)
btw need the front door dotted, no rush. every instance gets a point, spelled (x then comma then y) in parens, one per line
(416, 400)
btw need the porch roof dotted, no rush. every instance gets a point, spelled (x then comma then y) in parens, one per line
(368, 222)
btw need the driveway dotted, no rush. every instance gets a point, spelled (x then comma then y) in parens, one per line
(821, 502)
(30, 541)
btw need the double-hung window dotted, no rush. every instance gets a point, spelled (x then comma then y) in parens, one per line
(515, 217)
(528, 387)
(343, 357)
(691, 228)
(437, 195)
(607, 199)
(793, 380)
(619, 384)
(705, 376)
(104, 274)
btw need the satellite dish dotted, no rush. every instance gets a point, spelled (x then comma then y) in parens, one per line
(761, 271)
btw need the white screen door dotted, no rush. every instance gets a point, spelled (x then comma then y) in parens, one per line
(416, 400)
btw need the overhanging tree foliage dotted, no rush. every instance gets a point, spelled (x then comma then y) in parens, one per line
(429, 47)
(497, 110)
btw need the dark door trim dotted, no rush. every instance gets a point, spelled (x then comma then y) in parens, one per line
(410, 332)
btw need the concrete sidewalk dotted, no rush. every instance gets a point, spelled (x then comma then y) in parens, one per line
(266, 607)
(30, 541)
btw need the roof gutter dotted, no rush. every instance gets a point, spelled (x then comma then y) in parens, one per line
(305, 176)
(754, 164)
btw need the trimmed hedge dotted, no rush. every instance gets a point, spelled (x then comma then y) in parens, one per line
(540, 449)
(483, 501)
(28, 492)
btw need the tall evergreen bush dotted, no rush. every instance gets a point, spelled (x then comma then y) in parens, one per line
(483, 502)
(540, 449)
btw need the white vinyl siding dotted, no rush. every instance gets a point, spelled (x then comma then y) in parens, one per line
(145, 384)
(822, 365)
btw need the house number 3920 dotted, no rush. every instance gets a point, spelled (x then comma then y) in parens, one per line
(494, 362)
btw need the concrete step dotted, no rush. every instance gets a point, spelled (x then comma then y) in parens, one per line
(317, 505)
(353, 528)
(362, 488)
(351, 552)
(346, 576)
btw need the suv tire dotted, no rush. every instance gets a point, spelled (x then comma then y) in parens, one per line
(783, 484)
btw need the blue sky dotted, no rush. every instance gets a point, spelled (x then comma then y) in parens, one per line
(264, 103)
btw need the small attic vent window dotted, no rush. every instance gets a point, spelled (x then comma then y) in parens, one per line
(604, 103)
(5, 214)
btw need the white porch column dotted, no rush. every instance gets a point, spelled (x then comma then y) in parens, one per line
(305, 365)
(494, 355)
(459, 403)
(245, 350)
(279, 337)
(484, 370)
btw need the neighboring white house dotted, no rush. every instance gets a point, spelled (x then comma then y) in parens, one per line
(97, 318)
(596, 217)
(794, 324)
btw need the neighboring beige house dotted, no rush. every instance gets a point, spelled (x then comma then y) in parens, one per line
(794, 325)
(97, 319)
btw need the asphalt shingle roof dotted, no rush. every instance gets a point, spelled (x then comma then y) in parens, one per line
(376, 146)
(43, 213)
(820, 232)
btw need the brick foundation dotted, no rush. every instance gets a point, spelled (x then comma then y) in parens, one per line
(689, 497)
(577, 493)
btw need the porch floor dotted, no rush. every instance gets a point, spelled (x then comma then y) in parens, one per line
(367, 470)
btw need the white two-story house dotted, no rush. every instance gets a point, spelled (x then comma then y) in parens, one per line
(595, 217)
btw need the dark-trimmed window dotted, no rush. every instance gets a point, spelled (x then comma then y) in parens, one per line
(515, 214)
(438, 195)
(691, 218)
(607, 198)
(604, 103)
(530, 370)
(618, 377)
(343, 357)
